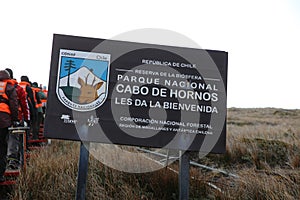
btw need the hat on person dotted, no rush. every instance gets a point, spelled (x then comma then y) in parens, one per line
(35, 84)
(10, 73)
(4, 75)
(25, 78)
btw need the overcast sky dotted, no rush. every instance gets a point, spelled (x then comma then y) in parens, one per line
(262, 38)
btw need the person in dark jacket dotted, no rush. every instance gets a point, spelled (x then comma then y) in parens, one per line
(8, 116)
(38, 104)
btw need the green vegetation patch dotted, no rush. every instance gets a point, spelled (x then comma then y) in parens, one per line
(284, 112)
(272, 152)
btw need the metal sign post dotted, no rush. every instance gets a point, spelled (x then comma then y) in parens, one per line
(82, 170)
(184, 175)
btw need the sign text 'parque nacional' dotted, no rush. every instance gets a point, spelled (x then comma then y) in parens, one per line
(137, 94)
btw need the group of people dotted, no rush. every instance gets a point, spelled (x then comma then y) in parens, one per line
(21, 104)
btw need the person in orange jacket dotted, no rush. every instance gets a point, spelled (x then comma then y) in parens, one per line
(15, 140)
(37, 92)
(8, 116)
(44, 100)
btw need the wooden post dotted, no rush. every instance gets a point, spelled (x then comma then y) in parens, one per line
(184, 175)
(82, 170)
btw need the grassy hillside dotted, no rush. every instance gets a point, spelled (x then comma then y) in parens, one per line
(263, 150)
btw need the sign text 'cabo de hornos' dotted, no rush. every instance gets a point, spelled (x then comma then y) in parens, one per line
(137, 94)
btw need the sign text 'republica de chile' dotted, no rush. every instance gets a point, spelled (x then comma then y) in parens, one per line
(137, 94)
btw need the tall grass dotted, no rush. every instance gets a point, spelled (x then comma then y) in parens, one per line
(52, 172)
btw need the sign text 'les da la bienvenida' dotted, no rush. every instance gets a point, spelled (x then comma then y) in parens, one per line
(137, 94)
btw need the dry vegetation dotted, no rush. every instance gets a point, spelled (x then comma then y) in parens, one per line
(263, 149)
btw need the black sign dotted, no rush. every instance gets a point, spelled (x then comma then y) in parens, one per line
(137, 94)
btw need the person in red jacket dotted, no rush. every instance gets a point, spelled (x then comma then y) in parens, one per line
(26, 85)
(8, 116)
(15, 140)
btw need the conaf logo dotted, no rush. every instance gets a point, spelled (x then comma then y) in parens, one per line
(82, 83)
(67, 119)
